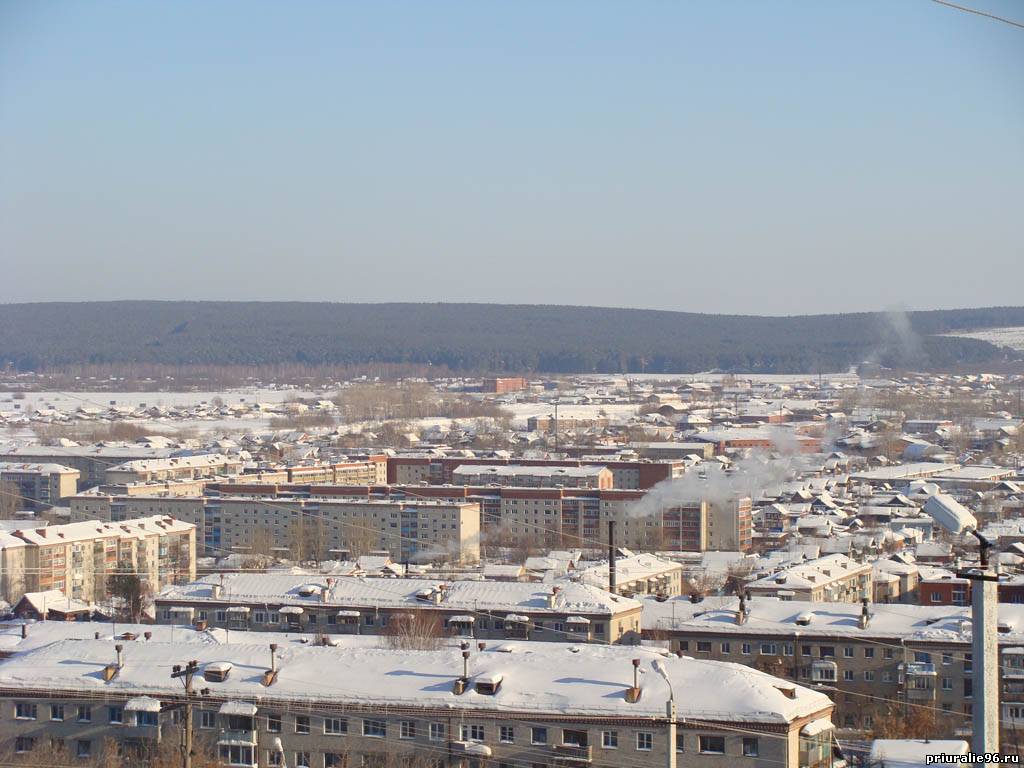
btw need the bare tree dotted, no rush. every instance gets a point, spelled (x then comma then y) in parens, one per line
(416, 631)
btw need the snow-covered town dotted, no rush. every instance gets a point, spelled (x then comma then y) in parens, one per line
(516, 571)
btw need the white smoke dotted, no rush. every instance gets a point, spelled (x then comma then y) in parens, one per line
(752, 475)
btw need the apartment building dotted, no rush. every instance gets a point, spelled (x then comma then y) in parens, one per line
(369, 606)
(309, 528)
(635, 575)
(326, 707)
(503, 384)
(439, 470)
(875, 661)
(76, 559)
(38, 486)
(173, 468)
(92, 461)
(564, 517)
(516, 475)
(833, 578)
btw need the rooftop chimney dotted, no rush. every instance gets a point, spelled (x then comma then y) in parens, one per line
(24, 631)
(271, 674)
(865, 617)
(633, 694)
(612, 584)
(741, 614)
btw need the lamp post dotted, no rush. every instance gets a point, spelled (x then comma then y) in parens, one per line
(670, 714)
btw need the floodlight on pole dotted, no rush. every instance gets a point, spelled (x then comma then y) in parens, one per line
(670, 713)
(957, 520)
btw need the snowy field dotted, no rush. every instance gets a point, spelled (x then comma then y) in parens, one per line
(1003, 337)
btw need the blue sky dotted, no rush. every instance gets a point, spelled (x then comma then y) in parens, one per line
(765, 156)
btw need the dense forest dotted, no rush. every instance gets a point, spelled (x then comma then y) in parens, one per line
(486, 337)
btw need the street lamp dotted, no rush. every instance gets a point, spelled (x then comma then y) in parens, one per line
(670, 713)
(957, 519)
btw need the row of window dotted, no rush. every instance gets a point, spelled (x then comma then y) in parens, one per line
(824, 651)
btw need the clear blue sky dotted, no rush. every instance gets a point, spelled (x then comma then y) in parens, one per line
(758, 156)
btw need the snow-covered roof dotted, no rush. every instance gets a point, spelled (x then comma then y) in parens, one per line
(914, 753)
(771, 616)
(533, 678)
(359, 592)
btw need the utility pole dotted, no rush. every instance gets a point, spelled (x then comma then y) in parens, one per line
(185, 674)
(556, 425)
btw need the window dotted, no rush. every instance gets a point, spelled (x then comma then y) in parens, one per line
(827, 652)
(438, 732)
(25, 711)
(848, 674)
(538, 735)
(869, 676)
(947, 658)
(887, 676)
(208, 719)
(805, 650)
(745, 649)
(968, 662)
(574, 738)
(610, 739)
(768, 649)
(714, 745)
(115, 715)
(936, 597)
(236, 754)
(375, 728)
(947, 684)
(645, 741)
(335, 726)
(726, 648)
(57, 712)
(83, 748)
(302, 723)
(848, 652)
(750, 746)
(869, 653)
(24, 744)
(922, 657)
(85, 714)
(506, 734)
(703, 646)
(274, 758)
(302, 760)
(869, 721)
(888, 653)
(407, 729)
(968, 687)
(332, 760)
(472, 733)
(787, 649)
(273, 724)
(147, 718)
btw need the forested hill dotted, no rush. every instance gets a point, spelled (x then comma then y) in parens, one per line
(486, 337)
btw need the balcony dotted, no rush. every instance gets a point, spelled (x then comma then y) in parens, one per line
(572, 754)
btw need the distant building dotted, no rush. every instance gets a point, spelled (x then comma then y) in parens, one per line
(833, 578)
(501, 385)
(534, 477)
(39, 486)
(175, 468)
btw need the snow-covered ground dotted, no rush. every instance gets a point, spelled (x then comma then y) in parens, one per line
(1004, 337)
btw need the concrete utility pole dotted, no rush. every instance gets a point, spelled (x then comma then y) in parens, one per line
(185, 674)
(984, 652)
(670, 714)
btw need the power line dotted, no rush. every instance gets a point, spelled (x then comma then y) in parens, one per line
(976, 12)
